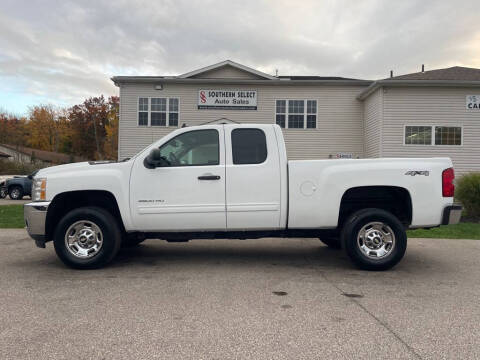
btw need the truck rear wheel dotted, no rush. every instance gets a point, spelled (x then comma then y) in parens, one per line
(87, 238)
(374, 239)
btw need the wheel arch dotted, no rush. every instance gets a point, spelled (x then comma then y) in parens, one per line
(394, 199)
(64, 202)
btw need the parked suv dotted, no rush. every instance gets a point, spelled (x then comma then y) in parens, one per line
(17, 187)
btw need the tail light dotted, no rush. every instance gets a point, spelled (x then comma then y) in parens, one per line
(448, 189)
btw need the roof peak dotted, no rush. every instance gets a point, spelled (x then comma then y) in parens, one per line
(227, 63)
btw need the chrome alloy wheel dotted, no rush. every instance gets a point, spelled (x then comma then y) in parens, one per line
(376, 240)
(84, 239)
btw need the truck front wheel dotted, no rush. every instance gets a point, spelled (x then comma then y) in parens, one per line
(374, 239)
(87, 238)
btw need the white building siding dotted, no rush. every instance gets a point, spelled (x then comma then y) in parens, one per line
(373, 117)
(339, 120)
(431, 106)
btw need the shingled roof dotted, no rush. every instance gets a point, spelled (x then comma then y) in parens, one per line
(452, 73)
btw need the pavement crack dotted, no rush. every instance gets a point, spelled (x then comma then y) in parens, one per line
(373, 316)
(379, 321)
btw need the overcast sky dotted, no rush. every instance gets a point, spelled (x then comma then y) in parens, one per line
(61, 52)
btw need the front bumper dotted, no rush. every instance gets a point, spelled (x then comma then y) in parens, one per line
(35, 215)
(452, 214)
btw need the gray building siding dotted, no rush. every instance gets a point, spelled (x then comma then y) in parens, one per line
(373, 118)
(339, 119)
(431, 106)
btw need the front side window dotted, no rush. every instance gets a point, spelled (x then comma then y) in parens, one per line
(296, 114)
(157, 111)
(418, 135)
(193, 148)
(447, 135)
(249, 146)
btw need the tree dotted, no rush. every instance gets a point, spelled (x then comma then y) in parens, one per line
(42, 128)
(110, 147)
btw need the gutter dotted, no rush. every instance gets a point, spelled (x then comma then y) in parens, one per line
(118, 80)
(415, 83)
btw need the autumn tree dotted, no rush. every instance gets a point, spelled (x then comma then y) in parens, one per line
(111, 129)
(42, 128)
(88, 121)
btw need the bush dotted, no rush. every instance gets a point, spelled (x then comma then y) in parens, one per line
(468, 193)
(8, 167)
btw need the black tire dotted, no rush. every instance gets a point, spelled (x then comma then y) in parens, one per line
(350, 243)
(15, 193)
(332, 242)
(111, 237)
(3, 192)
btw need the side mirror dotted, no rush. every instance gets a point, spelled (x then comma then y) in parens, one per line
(153, 159)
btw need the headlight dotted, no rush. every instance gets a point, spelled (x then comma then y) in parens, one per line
(39, 189)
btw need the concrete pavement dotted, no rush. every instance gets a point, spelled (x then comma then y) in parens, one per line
(258, 299)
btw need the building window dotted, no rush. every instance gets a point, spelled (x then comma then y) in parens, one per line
(172, 112)
(281, 111)
(448, 135)
(142, 111)
(296, 114)
(423, 135)
(161, 112)
(311, 114)
(249, 146)
(418, 135)
(158, 116)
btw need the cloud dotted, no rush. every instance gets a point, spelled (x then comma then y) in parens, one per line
(64, 51)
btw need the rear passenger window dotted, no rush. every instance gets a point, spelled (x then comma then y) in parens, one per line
(249, 146)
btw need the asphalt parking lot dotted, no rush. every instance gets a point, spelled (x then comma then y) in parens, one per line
(259, 299)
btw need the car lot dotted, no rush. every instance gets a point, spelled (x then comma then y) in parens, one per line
(268, 298)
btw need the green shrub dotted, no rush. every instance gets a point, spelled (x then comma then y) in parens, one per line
(467, 191)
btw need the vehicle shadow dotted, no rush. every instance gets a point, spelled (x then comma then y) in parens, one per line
(228, 253)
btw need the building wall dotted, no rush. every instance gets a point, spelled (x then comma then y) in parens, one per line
(339, 119)
(373, 117)
(431, 106)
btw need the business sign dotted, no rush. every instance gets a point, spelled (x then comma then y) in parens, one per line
(227, 99)
(473, 102)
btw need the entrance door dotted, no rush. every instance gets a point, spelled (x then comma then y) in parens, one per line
(188, 191)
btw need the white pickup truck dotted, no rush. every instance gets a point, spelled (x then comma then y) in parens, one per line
(234, 181)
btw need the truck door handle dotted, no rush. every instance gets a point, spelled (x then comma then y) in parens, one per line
(209, 177)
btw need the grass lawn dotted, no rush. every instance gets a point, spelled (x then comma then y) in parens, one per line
(459, 231)
(11, 216)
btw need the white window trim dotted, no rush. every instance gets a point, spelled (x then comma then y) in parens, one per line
(432, 130)
(149, 111)
(304, 113)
